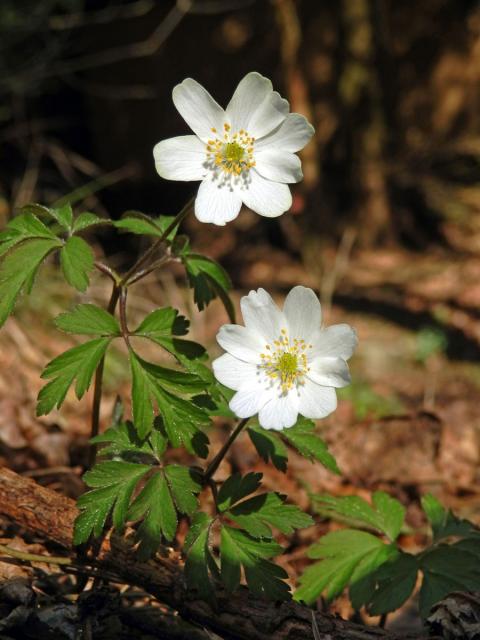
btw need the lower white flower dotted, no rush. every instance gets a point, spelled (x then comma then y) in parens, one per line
(283, 363)
(243, 154)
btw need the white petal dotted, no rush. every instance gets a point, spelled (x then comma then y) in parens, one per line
(262, 317)
(292, 135)
(180, 158)
(241, 343)
(234, 373)
(249, 96)
(247, 403)
(279, 412)
(337, 341)
(329, 372)
(265, 197)
(303, 313)
(216, 202)
(198, 108)
(269, 115)
(277, 165)
(316, 401)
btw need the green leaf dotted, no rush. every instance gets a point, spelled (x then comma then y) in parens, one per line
(171, 490)
(162, 326)
(261, 512)
(303, 437)
(342, 554)
(184, 485)
(199, 557)
(113, 484)
(237, 487)
(208, 280)
(63, 215)
(78, 363)
(264, 579)
(395, 580)
(443, 522)
(448, 568)
(88, 320)
(85, 220)
(269, 446)
(18, 270)
(142, 406)
(122, 440)
(386, 515)
(141, 224)
(77, 260)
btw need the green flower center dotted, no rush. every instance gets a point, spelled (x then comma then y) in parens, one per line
(233, 152)
(287, 365)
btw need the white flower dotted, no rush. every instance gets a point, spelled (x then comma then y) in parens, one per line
(283, 363)
(243, 154)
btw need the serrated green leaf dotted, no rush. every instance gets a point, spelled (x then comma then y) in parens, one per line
(269, 446)
(181, 418)
(208, 280)
(163, 323)
(88, 320)
(155, 505)
(77, 260)
(122, 440)
(237, 487)
(303, 437)
(395, 580)
(63, 215)
(141, 224)
(85, 220)
(78, 363)
(447, 568)
(199, 557)
(340, 552)
(386, 515)
(18, 269)
(142, 406)
(113, 484)
(184, 485)
(443, 522)
(256, 515)
(264, 578)
(362, 582)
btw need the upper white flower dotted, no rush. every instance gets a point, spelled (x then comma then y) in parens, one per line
(283, 363)
(245, 153)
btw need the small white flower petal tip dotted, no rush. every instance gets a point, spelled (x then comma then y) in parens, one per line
(244, 154)
(283, 363)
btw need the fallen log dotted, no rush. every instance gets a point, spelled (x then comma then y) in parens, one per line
(236, 617)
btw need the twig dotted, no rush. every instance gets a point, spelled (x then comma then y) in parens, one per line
(33, 557)
(215, 463)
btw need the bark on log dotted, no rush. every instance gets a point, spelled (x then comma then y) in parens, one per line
(236, 617)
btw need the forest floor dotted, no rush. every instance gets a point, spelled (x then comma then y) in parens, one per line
(409, 423)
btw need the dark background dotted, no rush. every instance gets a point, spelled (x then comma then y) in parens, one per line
(391, 87)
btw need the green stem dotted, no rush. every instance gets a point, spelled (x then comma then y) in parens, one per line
(215, 463)
(123, 317)
(98, 384)
(133, 272)
(32, 557)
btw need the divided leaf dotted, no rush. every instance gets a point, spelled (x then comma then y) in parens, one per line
(173, 489)
(77, 260)
(264, 579)
(141, 224)
(63, 215)
(386, 515)
(85, 220)
(346, 557)
(19, 267)
(112, 486)
(258, 514)
(199, 558)
(304, 438)
(77, 364)
(88, 320)
(448, 568)
(181, 418)
(443, 522)
(208, 280)
(269, 446)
